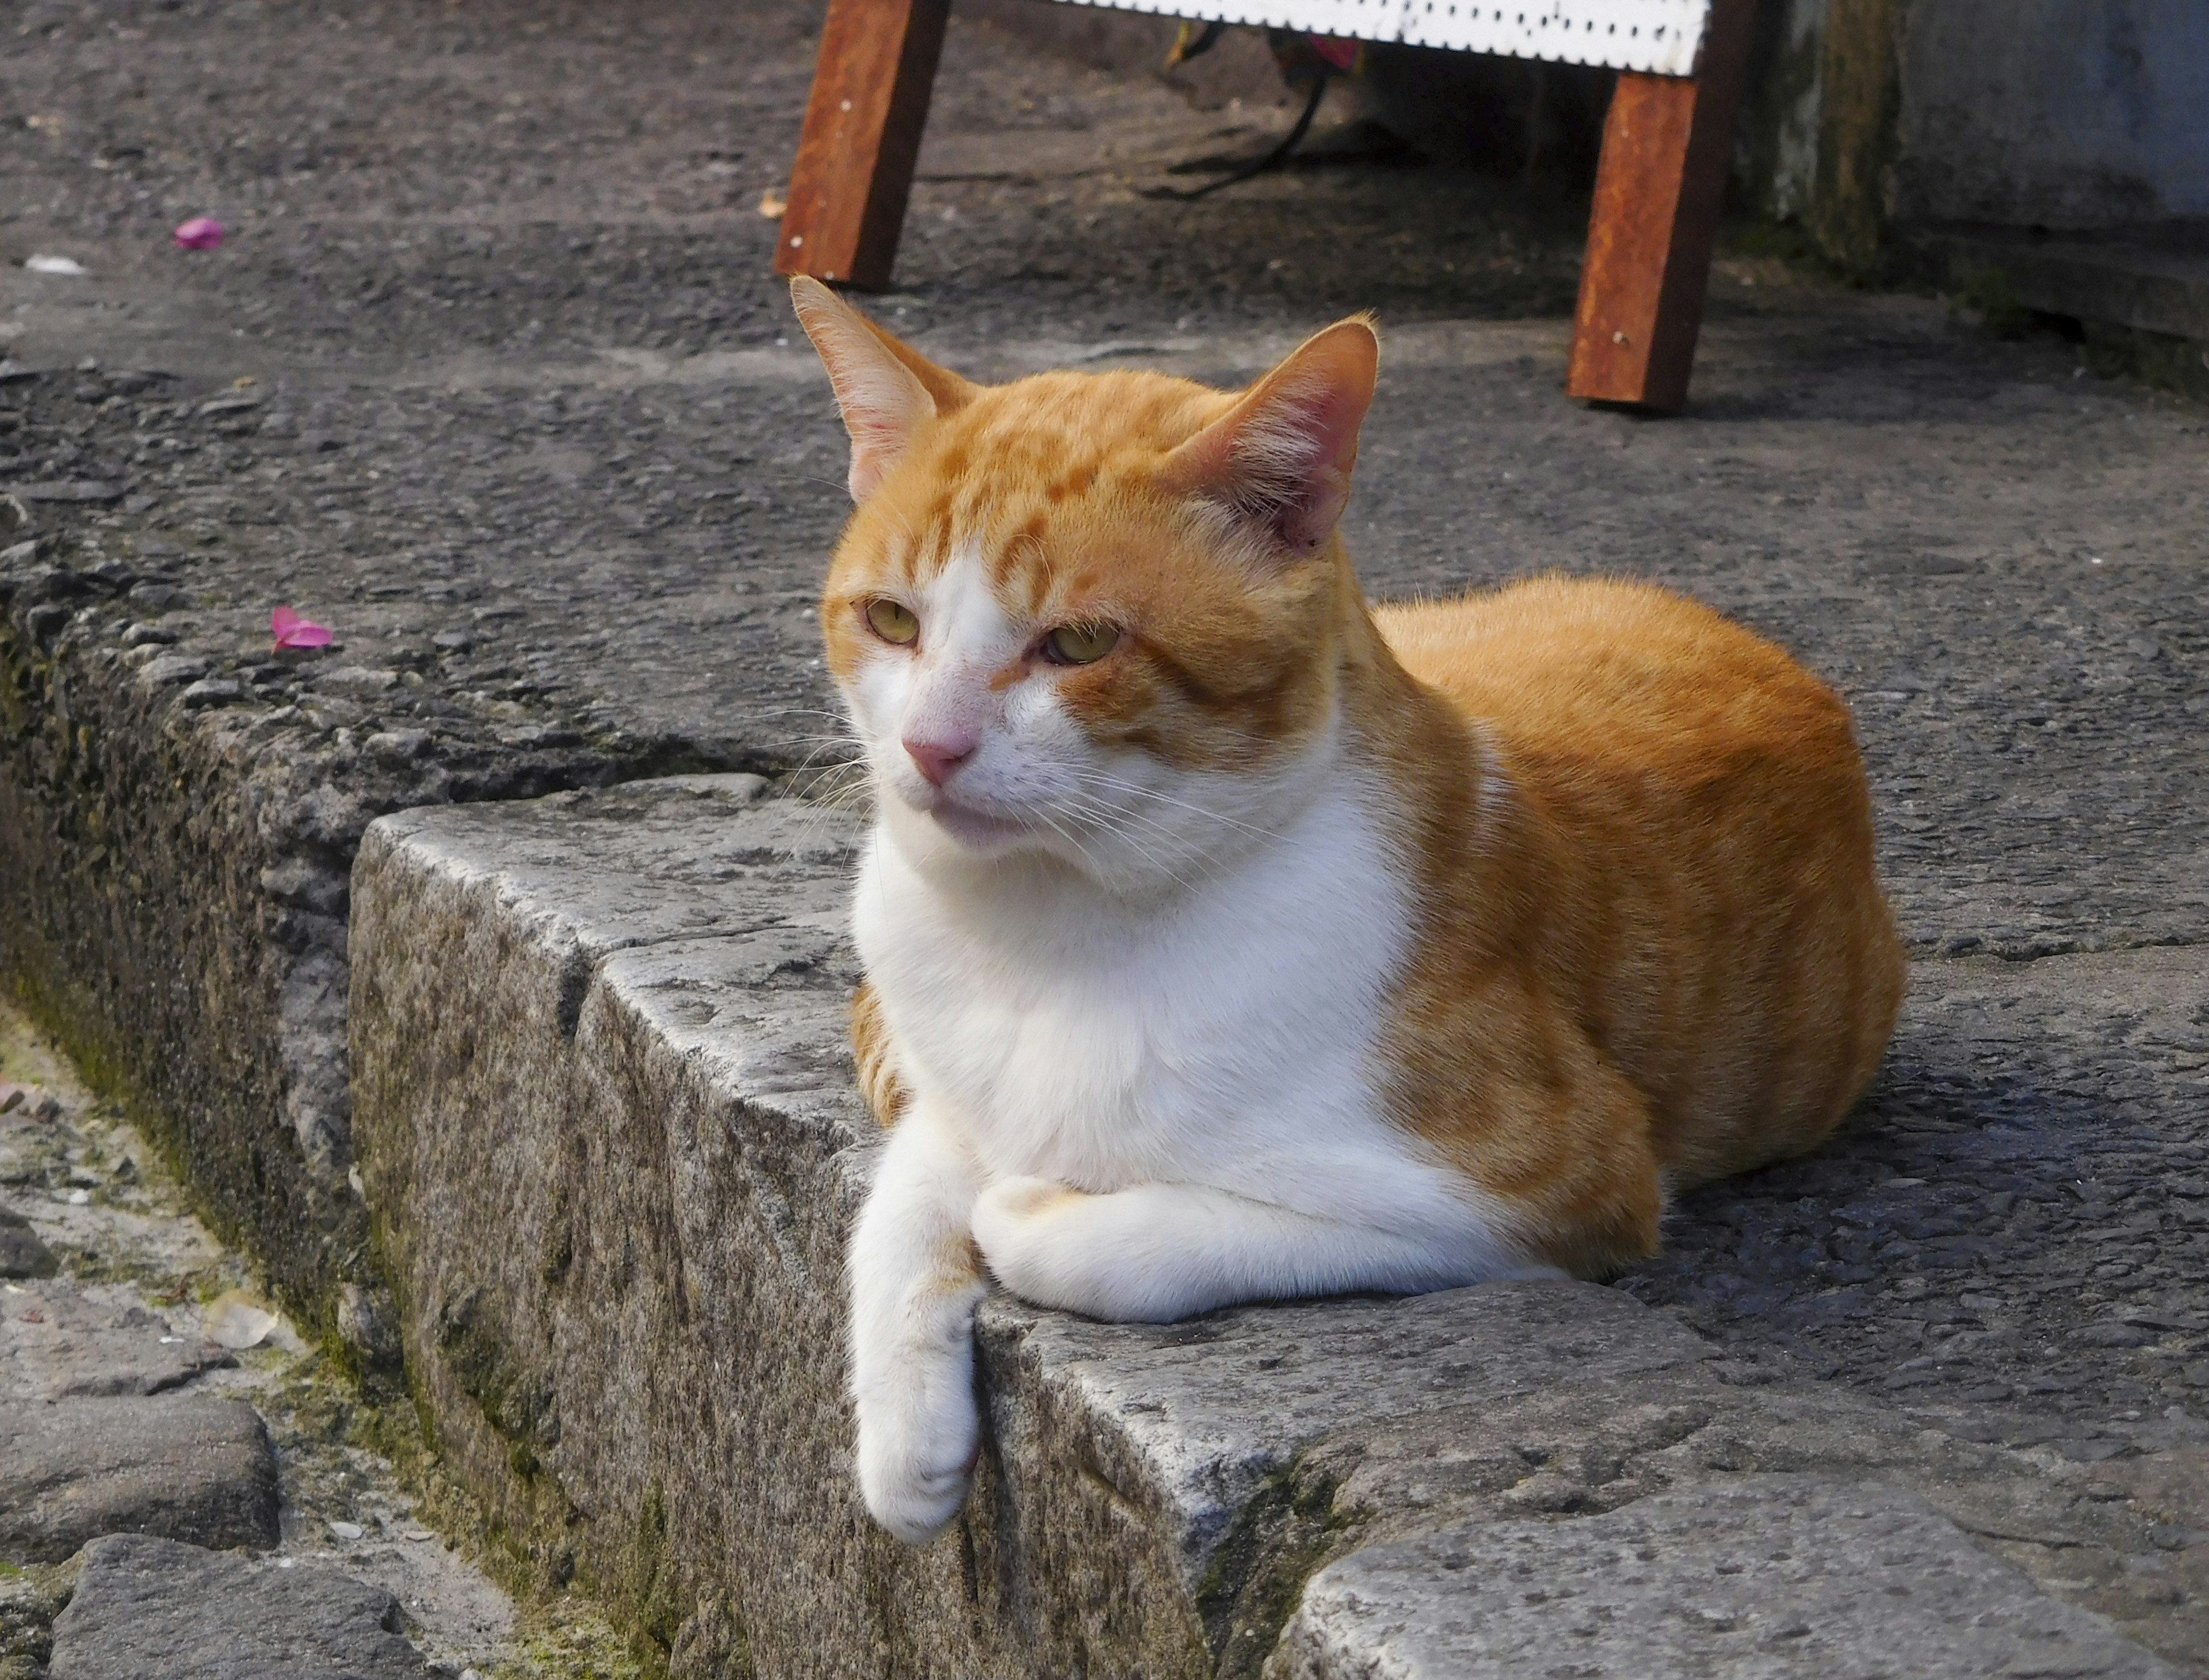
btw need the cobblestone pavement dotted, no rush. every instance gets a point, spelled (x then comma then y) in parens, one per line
(145, 1389)
(524, 424)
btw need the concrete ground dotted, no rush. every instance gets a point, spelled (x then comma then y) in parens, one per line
(493, 378)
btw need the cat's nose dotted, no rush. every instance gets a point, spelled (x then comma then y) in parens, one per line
(937, 757)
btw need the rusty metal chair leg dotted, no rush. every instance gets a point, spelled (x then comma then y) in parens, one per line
(862, 138)
(1666, 146)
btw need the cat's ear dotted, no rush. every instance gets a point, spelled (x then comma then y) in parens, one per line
(888, 390)
(1283, 455)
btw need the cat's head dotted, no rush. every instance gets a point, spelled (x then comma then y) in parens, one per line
(1099, 616)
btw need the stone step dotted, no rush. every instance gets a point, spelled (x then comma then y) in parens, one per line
(187, 1466)
(608, 1130)
(1767, 1575)
(145, 1606)
(2153, 280)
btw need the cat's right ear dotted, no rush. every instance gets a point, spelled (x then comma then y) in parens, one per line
(1282, 457)
(887, 391)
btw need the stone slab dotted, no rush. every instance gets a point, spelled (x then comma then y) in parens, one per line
(146, 1606)
(58, 1338)
(608, 1126)
(1760, 1579)
(23, 1253)
(2149, 284)
(184, 1467)
(1215, 1407)
(29, 1601)
(2017, 1218)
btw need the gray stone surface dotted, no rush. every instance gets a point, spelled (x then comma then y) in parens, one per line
(186, 1468)
(144, 1607)
(29, 1600)
(1766, 1577)
(23, 1252)
(624, 1310)
(2136, 280)
(2014, 1228)
(58, 1339)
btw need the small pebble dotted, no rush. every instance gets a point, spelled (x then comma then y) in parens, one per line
(347, 1530)
(79, 1198)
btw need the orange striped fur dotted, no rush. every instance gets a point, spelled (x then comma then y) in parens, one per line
(1600, 862)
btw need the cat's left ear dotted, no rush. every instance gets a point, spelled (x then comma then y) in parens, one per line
(888, 390)
(1283, 455)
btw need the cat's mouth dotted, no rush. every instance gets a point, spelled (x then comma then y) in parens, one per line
(973, 827)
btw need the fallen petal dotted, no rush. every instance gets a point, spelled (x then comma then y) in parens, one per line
(44, 262)
(200, 233)
(236, 1320)
(290, 630)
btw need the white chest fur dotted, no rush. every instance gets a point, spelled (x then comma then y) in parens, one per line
(1224, 1038)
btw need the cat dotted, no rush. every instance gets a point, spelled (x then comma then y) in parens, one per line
(1226, 938)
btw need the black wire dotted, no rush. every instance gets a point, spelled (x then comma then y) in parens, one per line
(1272, 159)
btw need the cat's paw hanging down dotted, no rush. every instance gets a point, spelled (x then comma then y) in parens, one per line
(915, 1279)
(1227, 938)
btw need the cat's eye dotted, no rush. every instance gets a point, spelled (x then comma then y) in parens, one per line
(892, 621)
(1080, 644)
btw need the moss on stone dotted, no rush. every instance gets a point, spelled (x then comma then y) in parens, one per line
(1291, 1526)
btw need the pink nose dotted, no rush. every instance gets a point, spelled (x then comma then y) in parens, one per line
(939, 757)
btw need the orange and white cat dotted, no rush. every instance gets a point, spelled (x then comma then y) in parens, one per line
(1226, 938)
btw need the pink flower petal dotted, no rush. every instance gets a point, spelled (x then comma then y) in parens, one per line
(200, 233)
(290, 630)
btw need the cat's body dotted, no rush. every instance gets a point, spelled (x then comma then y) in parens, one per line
(1227, 940)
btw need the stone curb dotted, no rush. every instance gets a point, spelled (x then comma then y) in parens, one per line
(609, 1134)
(1764, 1576)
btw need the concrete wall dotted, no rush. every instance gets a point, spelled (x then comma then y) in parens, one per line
(2066, 113)
(1776, 147)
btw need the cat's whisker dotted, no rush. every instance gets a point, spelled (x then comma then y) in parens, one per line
(1098, 778)
(1113, 824)
(840, 487)
(812, 763)
(1176, 849)
(1057, 828)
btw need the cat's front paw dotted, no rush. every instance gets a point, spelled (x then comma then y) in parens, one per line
(918, 1447)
